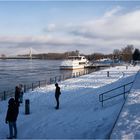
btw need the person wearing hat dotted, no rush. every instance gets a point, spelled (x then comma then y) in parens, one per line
(57, 95)
(11, 117)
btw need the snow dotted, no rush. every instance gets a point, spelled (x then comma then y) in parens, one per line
(81, 115)
(128, 124)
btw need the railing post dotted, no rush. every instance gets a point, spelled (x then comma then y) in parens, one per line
(107, 73)
(63, 77)
(4, 95)
(27, 106)
(39, 84)
(124, 91)
(24, 88)
(102, 100)
(32, 86)
(50, 80)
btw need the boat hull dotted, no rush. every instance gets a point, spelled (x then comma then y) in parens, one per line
(74, 62)
(71, 67)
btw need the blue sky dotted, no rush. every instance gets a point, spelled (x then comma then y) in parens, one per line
(59, 26)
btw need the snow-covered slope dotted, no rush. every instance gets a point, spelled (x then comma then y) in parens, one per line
(128, 124)
(80, 115)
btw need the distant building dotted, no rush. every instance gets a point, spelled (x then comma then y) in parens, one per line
(3, 56)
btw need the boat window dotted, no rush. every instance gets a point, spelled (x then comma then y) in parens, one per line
(75, 58)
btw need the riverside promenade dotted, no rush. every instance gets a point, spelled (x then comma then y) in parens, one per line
(128, 124)
(81, 115)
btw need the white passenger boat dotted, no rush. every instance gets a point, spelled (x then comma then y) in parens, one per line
(74, 62)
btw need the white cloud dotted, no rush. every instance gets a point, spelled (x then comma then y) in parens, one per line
(124, 26)
(104, 34)
(51, 27)
(112, 12)
(113, 30)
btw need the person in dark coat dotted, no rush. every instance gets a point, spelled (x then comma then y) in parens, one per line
(11, 117)
(17, 94)
(21, 93)
(57, 94)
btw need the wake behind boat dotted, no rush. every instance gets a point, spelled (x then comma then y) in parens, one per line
(74, 62)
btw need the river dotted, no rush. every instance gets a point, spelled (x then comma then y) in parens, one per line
(25, 71)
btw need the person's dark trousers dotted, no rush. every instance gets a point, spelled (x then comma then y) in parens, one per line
(57, 101)
(12, 126)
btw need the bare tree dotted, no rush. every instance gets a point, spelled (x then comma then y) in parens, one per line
(117, 54)
(127, 53)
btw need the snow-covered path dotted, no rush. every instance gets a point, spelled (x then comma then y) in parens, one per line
(81, 114)
(128, 124)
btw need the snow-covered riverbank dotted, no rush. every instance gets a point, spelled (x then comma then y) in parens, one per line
(80, 115)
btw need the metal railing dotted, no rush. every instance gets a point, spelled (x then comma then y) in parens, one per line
(10, 93)
(109, 135)
(103, 97)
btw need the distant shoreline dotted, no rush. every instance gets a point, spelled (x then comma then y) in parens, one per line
(30, 58)
(18, 58)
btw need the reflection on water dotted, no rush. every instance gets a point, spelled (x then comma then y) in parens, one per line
(13, 72)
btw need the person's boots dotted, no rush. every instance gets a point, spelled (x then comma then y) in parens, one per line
(56, 107)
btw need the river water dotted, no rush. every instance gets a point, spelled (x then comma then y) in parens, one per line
(13, 72)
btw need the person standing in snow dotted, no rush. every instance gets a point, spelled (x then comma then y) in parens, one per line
(21, 93)
(57, 95)
(17, 94)
(11, 117)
